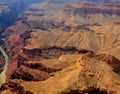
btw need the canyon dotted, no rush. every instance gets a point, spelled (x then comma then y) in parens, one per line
(10, 10)
(61, 47)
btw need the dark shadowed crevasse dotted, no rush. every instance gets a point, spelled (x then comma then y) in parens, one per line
(11, 15)
(8, 18)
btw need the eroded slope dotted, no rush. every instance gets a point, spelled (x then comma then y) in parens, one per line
(66, 49)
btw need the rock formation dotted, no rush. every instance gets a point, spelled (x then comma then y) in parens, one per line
(64, 47)
(90, 74)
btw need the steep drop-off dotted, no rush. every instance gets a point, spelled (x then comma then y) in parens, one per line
(64, 48)
(64, 16)
(81, 73)
(10, 11)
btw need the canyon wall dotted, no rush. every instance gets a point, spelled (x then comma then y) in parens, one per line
(54, 42)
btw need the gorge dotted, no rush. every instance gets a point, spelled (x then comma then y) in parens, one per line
(9, 14)
(11, 10)
(60, 47)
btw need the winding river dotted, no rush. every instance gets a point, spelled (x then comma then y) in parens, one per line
(16, 8)
(3, 73)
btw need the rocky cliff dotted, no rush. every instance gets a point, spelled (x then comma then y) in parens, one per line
(80, 73)
(55, 15)
(64, 48)
(10, 10)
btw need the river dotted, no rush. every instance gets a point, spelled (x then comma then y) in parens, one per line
(8, 19)
(3, 73)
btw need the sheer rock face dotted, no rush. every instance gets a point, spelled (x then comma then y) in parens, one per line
(95, 74)
(79, 72)
(29, 74)
(13, 88)
(9, 11)
(60, 15)
(38, 16)
(56, 62)
(67, 49)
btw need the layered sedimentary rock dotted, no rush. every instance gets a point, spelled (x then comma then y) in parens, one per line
(60, 15)
(67, 49)
(10, 10)
(50, 57)
(81, 73)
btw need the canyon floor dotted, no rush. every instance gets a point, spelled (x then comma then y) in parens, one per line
(63, 47)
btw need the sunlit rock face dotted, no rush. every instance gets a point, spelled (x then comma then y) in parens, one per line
(86, 72)
(63, 47)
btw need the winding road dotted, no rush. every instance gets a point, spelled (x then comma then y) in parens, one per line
(3, 73)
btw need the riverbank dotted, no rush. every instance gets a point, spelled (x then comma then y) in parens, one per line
(3, 74)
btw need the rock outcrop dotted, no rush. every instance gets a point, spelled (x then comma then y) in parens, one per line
(62, 15)
(81, 73)
(65, 48)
